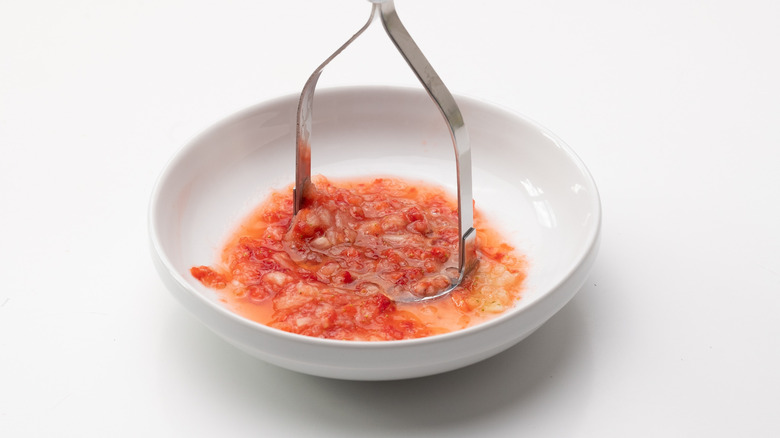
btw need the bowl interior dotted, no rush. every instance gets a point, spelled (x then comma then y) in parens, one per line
(530, 184)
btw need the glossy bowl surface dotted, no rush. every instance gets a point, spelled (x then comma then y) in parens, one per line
(528, 182)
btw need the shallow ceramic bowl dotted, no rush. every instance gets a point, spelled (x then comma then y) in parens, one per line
(528, 182)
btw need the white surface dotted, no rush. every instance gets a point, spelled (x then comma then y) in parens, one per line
(543, 199)
(673, 105)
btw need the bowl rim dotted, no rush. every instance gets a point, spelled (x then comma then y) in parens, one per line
(160, 256)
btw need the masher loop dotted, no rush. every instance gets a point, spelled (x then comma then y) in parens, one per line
(385, 9)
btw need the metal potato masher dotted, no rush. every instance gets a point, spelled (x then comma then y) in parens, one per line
(385, 11)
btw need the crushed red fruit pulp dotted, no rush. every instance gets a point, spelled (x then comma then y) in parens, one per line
(329, 270)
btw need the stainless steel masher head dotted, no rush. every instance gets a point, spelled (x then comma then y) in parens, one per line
(385, 11)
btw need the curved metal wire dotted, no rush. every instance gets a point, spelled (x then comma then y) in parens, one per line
(385, 10)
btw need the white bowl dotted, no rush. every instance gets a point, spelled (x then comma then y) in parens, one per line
(528, 182)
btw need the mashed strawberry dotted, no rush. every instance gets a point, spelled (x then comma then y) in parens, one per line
(331, 270)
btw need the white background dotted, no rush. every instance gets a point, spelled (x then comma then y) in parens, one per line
(674, 105)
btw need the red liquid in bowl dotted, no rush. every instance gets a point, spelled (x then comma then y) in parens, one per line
(328, 271)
